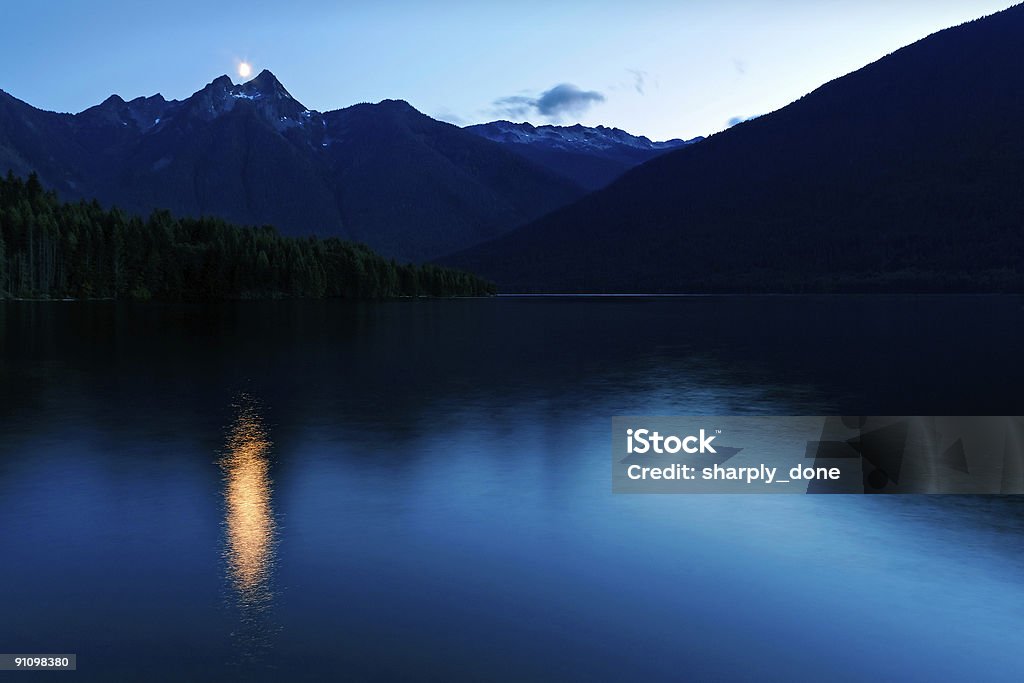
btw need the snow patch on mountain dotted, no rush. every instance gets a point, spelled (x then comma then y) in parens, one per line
(572, 138)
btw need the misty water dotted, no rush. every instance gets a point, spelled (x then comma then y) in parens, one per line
(421, 490)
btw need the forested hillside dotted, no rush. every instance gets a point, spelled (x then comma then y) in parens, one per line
(50, 249)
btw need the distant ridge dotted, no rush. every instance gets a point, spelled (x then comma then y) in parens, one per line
(591, 157)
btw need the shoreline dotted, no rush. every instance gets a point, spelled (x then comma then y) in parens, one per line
(545, 295)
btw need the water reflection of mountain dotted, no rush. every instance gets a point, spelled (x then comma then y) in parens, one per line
(776, 355)
(249, 524)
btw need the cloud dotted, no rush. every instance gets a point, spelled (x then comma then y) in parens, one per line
(565, 99)
(740, 119)
(639, 79)
(516, 105)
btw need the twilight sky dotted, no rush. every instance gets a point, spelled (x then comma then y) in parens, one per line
(655, 67)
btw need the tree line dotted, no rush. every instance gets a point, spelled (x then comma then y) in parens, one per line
(52, 249)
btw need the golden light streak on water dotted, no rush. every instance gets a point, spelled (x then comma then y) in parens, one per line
(249, 515)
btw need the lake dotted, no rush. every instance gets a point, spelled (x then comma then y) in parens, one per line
(420, 490)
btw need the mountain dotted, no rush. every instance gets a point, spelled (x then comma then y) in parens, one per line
(591, 157)
(904, 175)
(382, 174)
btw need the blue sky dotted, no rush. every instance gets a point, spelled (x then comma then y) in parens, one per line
(658, 68)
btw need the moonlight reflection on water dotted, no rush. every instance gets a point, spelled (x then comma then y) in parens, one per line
(249, 522)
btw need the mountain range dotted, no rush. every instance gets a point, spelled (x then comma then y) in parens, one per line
(383, 174)
(903, 175)
(591, 157)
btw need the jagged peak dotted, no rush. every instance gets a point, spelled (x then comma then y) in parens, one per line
(263, 94)
(265, 79)
(223, 80)
(265, 85)
(152, 98)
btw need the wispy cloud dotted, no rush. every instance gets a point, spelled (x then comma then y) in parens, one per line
(740, 119)
(515, 105)
(639, 80)
(565, 99)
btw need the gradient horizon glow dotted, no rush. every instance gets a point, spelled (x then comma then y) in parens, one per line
(656, 68)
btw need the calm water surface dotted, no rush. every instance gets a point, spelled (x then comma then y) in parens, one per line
(421, 490)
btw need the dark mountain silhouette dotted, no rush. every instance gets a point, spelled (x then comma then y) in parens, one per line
(591, 157)
(383, 174)
(904, 175)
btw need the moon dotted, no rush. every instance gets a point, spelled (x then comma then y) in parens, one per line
(244, 69)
